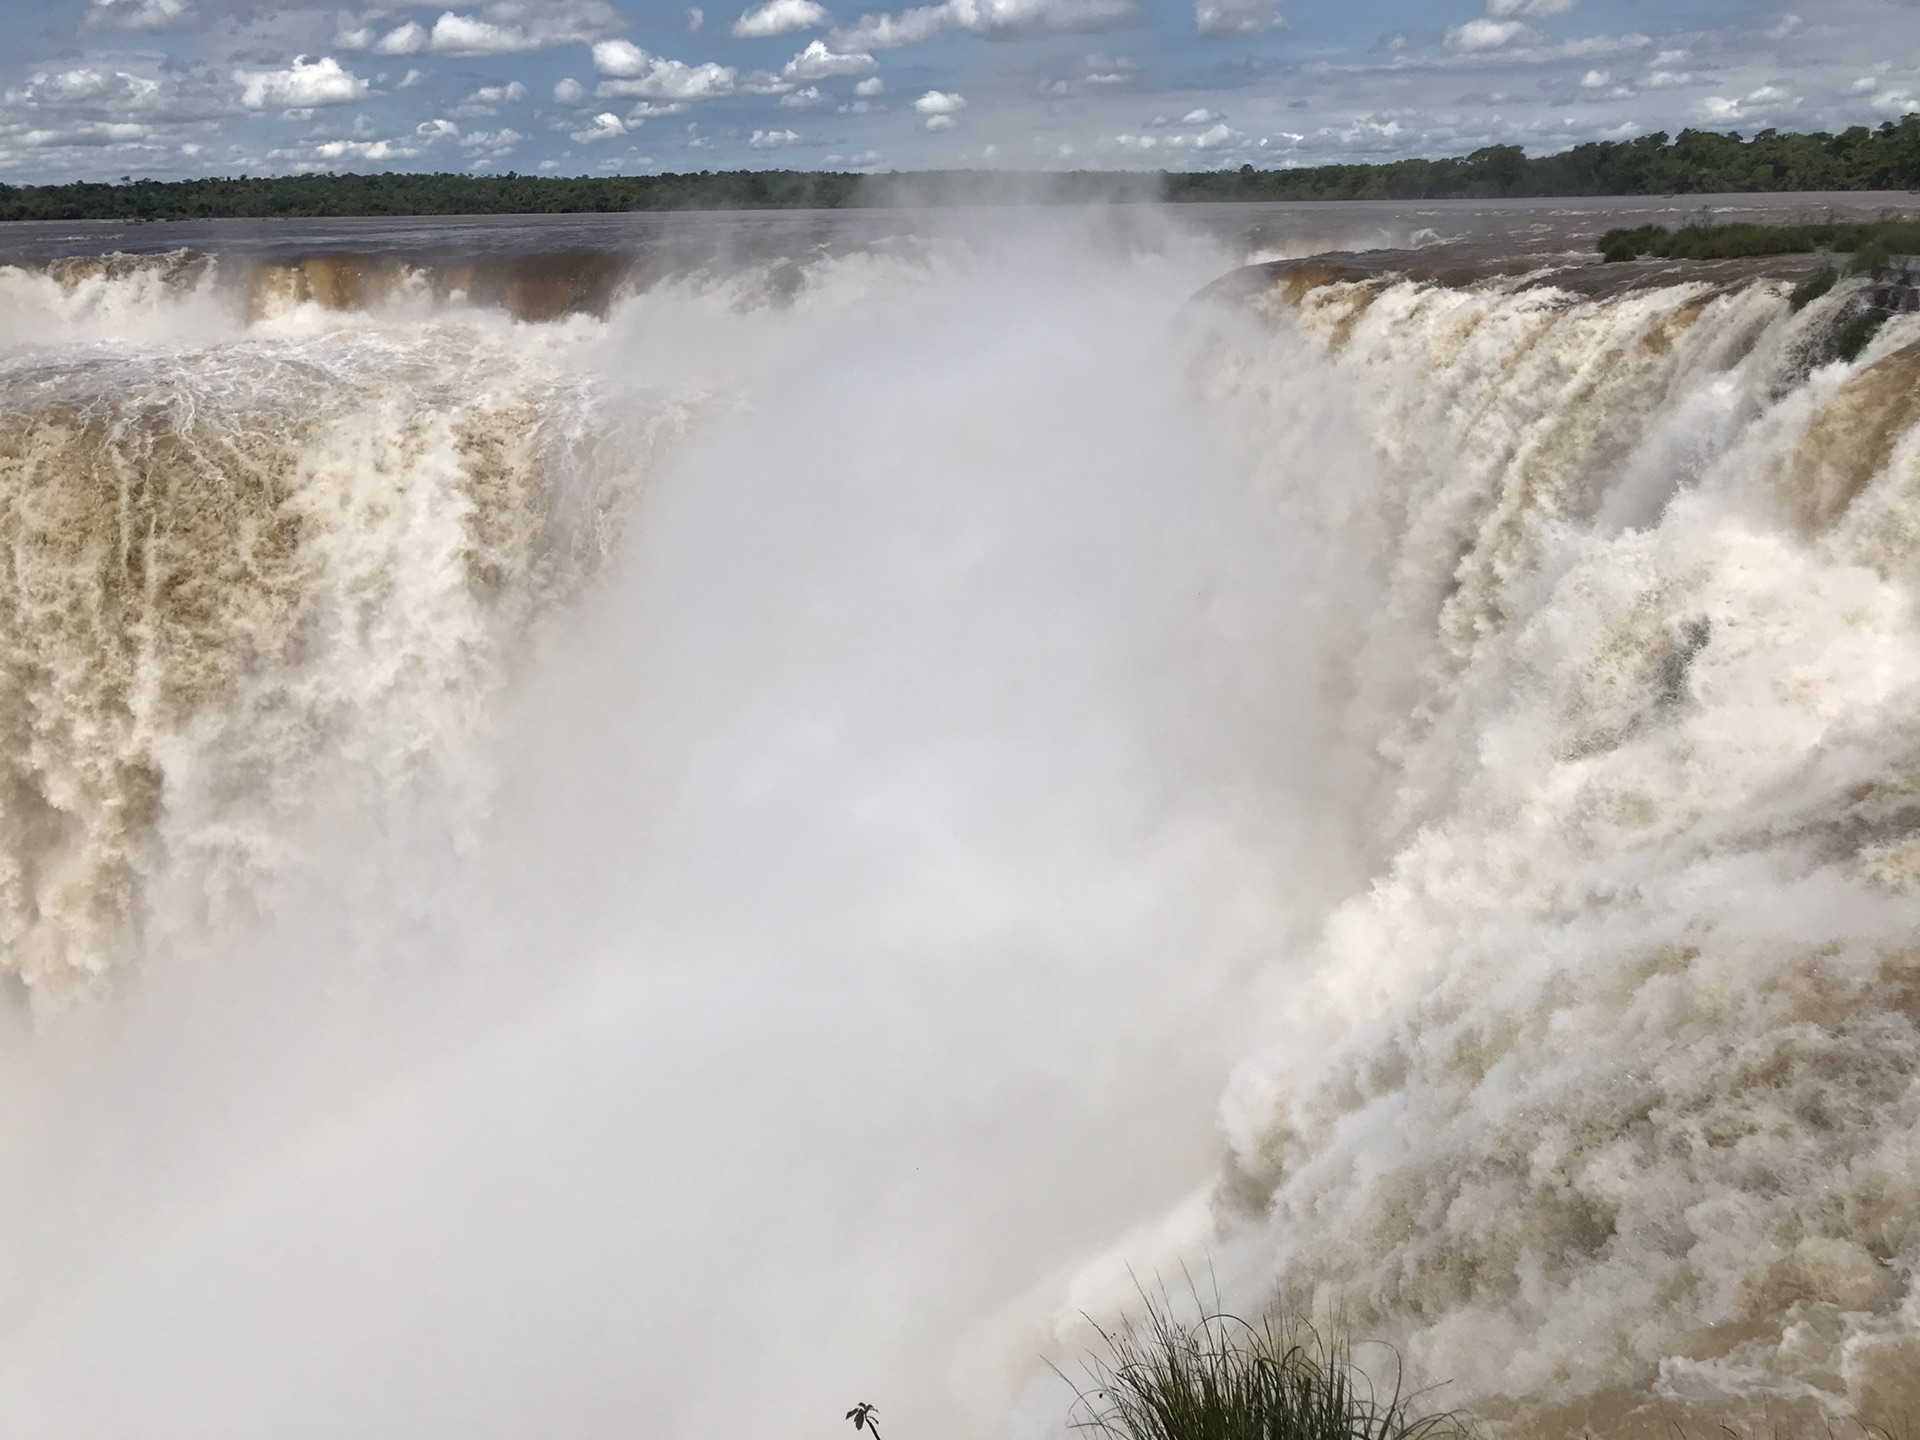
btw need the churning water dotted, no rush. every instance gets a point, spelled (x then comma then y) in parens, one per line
(584, 854)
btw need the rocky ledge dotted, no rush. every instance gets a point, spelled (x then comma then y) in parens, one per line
(1580, 273)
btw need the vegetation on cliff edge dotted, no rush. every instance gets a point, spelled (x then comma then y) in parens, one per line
(1222, 1378)
(1871, 242)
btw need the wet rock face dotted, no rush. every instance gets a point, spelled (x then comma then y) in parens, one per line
(1476, 264)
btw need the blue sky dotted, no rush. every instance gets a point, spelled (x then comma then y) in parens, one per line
(104, 88)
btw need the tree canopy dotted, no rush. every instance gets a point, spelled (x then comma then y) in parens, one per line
(1693, 162)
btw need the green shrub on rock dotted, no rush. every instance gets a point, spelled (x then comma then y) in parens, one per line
(1223, 1378)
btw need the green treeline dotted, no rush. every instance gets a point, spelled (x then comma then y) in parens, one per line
(1697, 162)
(411, 194)
(1694, 162)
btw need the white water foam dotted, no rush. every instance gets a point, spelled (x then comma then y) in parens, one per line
(697, 868)
(1599, 1104)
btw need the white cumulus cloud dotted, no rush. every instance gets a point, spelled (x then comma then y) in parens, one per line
(491, 142)
(817, 62)
(1110, 70)
(304, 84)
(85, 86)
(941, 109)
(512, 93)
(637, 74)
(1723, 109)
(139, 14)
(88, 133)
(1219, 136)
(1484, 34)
(408, 39)
(605, 126)
(467, 35)
(1234, 17)
(890, 32)
(999, 18)
(780, 17)
(996, 19)
(363, 150)
(509, 26)
(772, 139)
(1504, 22)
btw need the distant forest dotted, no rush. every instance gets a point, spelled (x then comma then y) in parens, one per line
(1694, 162)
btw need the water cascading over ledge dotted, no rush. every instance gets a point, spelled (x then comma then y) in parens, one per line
(1583, 1067)
(224, 569)
(1618, 1126)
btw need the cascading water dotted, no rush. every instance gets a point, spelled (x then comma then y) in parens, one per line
(678, 870)
(233, 564)
(1600, 1102)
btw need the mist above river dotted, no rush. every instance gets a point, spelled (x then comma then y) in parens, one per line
(720, 850)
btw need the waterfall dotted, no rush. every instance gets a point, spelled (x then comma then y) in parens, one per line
(586, 848)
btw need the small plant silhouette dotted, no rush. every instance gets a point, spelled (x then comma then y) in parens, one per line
(862, 1417)
(1218, 1377)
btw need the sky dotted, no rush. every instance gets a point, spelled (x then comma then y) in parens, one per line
(99, 89)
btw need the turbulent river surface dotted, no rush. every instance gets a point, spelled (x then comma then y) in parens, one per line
(658, 826)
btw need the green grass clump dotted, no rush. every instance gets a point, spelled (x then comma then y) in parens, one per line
(1875, 240)
(1617, 245)
(1856, 333)
(1222, 1378)
(1868, 258)
(1813, 287)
